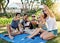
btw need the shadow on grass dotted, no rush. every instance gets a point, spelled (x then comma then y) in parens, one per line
(2, 29)
(4, 32)
(55, 40)
(3, 41)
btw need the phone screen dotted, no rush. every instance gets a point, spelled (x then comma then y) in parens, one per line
(41, 6)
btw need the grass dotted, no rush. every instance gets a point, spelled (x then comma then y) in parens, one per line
(4, 21)
(55, 40)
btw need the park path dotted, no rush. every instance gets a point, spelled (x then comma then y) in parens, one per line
(2, 29)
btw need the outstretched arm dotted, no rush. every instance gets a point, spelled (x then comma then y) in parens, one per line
(49, 11)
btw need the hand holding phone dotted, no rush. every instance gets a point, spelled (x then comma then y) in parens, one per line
(41, 6)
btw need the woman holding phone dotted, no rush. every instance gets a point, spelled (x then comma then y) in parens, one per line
(51, 30)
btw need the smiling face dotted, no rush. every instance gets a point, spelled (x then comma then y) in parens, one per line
(45, 11)
(18, 16)
(40, 18)
(33, 17)
(25, 17)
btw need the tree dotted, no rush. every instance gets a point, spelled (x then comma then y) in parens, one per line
(0, 4)
(3, 6)
(49, 3)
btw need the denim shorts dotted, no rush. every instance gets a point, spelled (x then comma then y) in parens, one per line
(55, 32)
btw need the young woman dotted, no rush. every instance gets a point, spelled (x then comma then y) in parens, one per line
(51, 30)
(33, 22)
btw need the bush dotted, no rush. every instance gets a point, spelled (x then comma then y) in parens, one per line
(57, 17)
(5, 21)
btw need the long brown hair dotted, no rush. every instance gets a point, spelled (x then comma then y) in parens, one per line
(45, 15)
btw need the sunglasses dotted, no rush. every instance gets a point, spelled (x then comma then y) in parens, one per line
(33, 16)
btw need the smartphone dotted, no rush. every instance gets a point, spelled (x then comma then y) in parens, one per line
(41, 6)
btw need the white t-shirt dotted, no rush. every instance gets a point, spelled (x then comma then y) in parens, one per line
(51, 23)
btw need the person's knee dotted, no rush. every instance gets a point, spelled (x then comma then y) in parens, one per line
(41, 36)
(18, 24)
(8, 25)
(19, 32)
(45, 38)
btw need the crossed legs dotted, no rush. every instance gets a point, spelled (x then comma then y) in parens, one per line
(44, 35)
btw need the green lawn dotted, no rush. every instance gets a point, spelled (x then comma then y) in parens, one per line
(55, 40)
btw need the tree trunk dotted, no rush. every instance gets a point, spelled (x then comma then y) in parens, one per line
(0, 7)
(4, 8)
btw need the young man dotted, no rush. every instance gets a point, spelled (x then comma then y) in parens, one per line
(25, 24)
(13, 28)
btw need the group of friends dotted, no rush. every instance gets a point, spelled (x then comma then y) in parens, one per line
(45, 25)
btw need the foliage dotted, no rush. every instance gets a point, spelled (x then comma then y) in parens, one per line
(49, 3)
(1, 1)
(3, 5)
(30, 12)
(57, 17)
(5, 21)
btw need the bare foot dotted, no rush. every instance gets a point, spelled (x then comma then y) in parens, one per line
(29, 37)
(11, 37)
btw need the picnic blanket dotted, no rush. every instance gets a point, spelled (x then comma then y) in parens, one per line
(22, 39)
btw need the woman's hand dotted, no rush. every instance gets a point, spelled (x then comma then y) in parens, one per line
(46, 7)
(50, 13)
